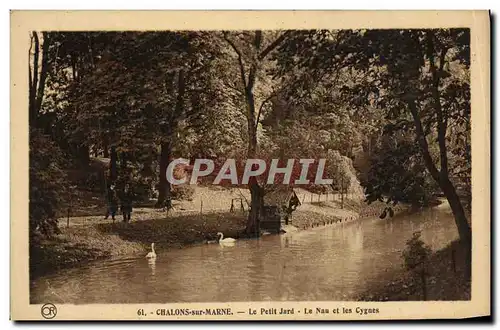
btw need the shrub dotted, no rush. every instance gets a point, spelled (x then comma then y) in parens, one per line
(415, 256)
(47, 186)
(416, 252)
(182, 192)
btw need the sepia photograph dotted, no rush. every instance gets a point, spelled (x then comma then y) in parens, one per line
(248, 173)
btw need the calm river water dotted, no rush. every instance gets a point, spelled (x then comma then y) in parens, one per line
(327, 263)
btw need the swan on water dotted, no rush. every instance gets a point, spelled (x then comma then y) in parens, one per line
(152, 254)
(224, 240)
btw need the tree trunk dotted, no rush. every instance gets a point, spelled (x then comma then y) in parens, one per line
(256, 209)
(124, 173)
(424, 284)
(113, 172)
(33, 111)
(43, 71)
(442, 178)
(36, 79)
(256, 193)
(105, 148)
(449, 190)
(124, 161)
(247, 82)
(164, 187)
(464, 229)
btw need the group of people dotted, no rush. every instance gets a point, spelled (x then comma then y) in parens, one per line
(124, 197)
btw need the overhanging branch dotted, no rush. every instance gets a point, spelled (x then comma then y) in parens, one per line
(422, 140)
(240, 59)
(260, 108)
(273, 45)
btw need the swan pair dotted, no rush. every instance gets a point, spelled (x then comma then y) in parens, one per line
(220, 238)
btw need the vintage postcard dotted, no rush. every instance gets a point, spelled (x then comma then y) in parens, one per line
(250, 165)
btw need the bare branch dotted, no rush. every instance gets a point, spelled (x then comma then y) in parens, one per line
(428, 126)
(241, 194)
(257, 119)
(240, 59)
(273, 45)
(234, 88)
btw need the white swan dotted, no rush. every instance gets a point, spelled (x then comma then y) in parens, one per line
(223, 240)
(152, 254)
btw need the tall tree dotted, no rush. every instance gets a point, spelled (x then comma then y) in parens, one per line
(418, 77)
(251, 50)
(47, 189)
(39, 66)
(434, 95)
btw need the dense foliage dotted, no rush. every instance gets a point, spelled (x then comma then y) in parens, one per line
(389, 109)
(47, 188)
(397, 173)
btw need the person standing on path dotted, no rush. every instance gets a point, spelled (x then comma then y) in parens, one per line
(126, 202)
(112, 201)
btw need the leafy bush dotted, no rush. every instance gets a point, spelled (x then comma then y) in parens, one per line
(142, 189)
(397, 173)
(47, 185)
(183, 192)
(416, 253)
(415, 256)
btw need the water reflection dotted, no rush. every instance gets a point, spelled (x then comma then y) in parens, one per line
(152, 266)
(325, 263)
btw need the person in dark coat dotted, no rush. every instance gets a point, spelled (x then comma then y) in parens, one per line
(112, 201)
(126, 200)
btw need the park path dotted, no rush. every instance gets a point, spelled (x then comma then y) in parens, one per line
(212, 200)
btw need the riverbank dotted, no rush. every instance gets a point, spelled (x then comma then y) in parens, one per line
(324, 213)
(445, 280)
(90, 238)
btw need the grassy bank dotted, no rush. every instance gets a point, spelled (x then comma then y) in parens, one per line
(324, 213)
(91, 238)
(445, 280)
